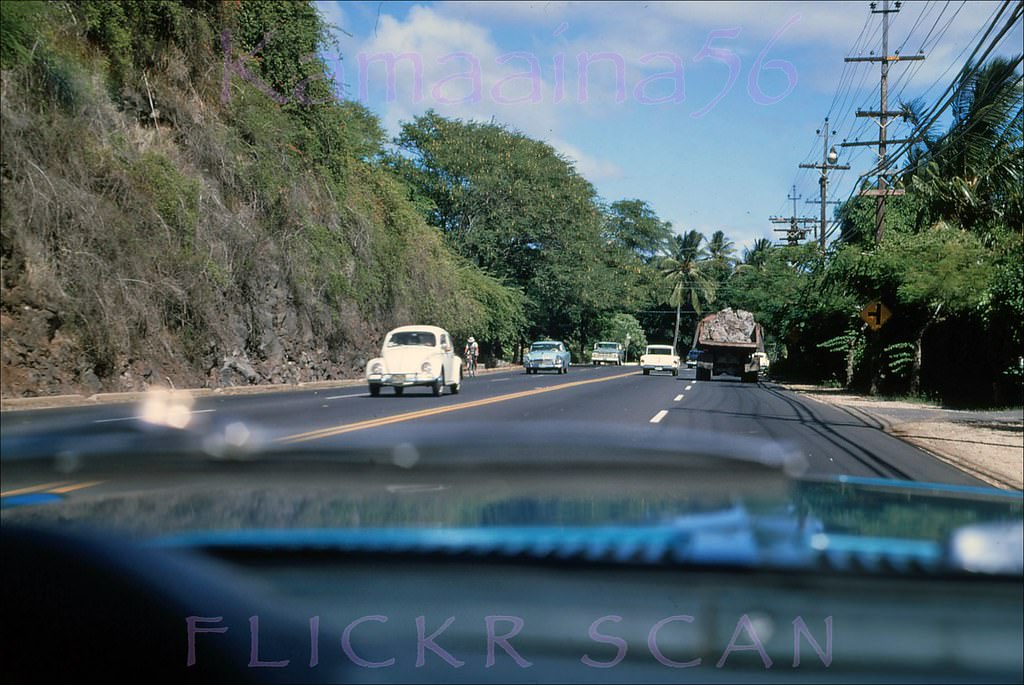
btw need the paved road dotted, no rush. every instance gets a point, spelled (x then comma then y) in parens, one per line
(833, 441)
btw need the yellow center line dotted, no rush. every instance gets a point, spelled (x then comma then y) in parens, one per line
(409, 416)
(75, 486)
(33, 488)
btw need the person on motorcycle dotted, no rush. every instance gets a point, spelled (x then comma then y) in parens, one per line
(470, 354)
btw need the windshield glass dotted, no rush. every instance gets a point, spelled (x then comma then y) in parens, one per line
(344, 296)
(422, 338)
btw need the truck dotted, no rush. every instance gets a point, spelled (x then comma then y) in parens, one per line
(728, 342)
(608, 353)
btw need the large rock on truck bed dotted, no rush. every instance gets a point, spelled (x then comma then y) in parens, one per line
(728, 326)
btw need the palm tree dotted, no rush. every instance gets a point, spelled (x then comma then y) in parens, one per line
(972, 172)
(686, 269)
(757, 255)
(721, 255)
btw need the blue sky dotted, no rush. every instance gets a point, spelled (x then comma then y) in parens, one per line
(638, 94)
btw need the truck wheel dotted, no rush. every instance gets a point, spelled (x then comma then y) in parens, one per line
(647, 372)
(703, 374)
(374, 389)
(399, 390)
(750, 377)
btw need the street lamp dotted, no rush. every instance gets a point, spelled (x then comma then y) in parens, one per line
(833, 156)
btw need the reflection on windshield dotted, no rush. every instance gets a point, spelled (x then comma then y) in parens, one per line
(542, 348)
(423, 339)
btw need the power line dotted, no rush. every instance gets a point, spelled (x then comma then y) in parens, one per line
(928, 7)
(960, 81)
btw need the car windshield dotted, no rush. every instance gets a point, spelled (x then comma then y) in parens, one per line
(421, 338)
(332, 323)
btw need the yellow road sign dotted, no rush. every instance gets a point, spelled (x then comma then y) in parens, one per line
(875, 314)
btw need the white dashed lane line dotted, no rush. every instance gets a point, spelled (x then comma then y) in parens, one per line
(677, 398)
(688, 387)
(659, 416)
(341, 397)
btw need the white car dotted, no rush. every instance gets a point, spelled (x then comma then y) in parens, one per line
(762, 358)
(660, 358)
(416, 355)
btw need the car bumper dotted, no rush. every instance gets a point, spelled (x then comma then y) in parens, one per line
(668, 368)
(402, 380)
(544, 364)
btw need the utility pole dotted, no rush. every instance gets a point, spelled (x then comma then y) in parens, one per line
(883, 116)
(795, 233)
(829, 157)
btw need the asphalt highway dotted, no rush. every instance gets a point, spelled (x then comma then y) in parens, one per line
(832, 441)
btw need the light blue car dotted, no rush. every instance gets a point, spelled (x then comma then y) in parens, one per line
(547, 355)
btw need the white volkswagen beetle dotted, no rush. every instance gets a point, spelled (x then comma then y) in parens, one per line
(416, 355)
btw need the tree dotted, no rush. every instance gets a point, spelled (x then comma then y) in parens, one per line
(518, 210)
(634, 227)
(687, 271)
(928, 276)
(721, 257)
(757, 255)
(973, 173)
(621, 326)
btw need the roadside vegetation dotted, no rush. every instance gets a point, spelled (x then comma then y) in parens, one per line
(163, 223)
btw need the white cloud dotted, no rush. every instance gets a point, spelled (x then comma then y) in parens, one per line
(591, 168)
(332, 13)
(430, 42)
(444, 48)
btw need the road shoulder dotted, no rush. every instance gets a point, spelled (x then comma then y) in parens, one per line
(988, 445)
(58, 401)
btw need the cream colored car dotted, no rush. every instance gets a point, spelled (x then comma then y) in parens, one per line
(661, 358)
(416, 355)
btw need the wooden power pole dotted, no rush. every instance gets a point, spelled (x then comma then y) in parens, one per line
(882, 117)
(795, 233)
(828, 161)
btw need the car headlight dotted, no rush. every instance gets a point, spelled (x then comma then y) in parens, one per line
(377, 367)
(427, 368)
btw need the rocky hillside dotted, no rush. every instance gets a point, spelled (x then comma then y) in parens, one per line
(169, 216)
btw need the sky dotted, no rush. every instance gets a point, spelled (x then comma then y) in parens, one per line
(703, 109)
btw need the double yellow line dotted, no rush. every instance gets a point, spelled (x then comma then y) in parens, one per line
(410, 416)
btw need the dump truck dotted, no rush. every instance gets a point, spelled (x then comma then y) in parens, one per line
(728, 341)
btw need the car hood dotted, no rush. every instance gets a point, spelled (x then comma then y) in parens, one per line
(613, 493)
(408, 358)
